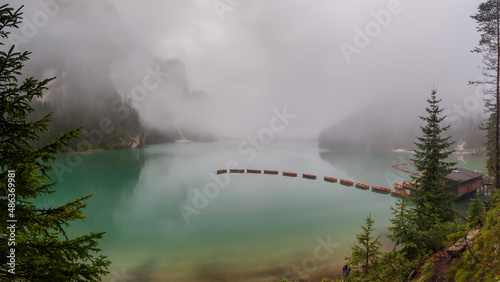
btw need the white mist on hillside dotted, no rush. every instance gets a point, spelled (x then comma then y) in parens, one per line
(229, 67)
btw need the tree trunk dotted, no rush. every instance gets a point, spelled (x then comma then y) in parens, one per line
(497, 153)
(367, 257)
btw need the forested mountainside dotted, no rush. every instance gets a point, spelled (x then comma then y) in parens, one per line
(103, 83)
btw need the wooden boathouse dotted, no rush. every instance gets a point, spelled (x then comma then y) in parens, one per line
(468, 181)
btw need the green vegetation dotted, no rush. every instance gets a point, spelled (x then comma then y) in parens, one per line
(43, 250)
(403, 230)
(475, 214)
(482, 262)
(433, 202)
(367, 252)
(430, 214)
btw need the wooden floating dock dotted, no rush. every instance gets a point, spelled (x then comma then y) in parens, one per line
(381, 189)
(220, 171)
(330, 179)
(290, 174)
(257, 171)
(270, 172)
(361, 185)
(237, 170)
(308, 176)
(346, 182)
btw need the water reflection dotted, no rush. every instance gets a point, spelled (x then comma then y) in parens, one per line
(109, 176)
(255, 229)
(370, 167)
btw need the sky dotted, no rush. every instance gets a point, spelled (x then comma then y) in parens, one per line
(320, 61)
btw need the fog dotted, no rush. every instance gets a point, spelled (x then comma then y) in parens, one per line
(226, 65)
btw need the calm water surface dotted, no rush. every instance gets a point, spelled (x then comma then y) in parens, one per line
(169, 217)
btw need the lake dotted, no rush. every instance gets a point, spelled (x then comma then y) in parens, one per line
(169, 217)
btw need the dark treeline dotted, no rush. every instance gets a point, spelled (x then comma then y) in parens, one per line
(358, 132)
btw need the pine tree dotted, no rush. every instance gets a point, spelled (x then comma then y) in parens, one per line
(43, 251)
(475, 213)
(368, 250)
(434, 201)
(403, 227)
(488, 20)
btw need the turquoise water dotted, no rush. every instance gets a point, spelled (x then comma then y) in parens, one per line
(169, 217)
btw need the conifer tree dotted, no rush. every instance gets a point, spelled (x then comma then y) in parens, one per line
(368, 250)
(488, 20)
(43, 251)
(433, 201)
(403, 227)
(475, 213)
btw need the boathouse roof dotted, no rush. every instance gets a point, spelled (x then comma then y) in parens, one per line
(462, 174)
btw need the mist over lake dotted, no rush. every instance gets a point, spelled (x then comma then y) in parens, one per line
(254, 228)
(182, 105)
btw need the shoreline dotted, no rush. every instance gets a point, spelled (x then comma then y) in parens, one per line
(457, 153)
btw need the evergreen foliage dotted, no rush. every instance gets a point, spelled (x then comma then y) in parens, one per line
(43, 250)
(433, 201)
(403, 227)
(475, 213)
(367, 252)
